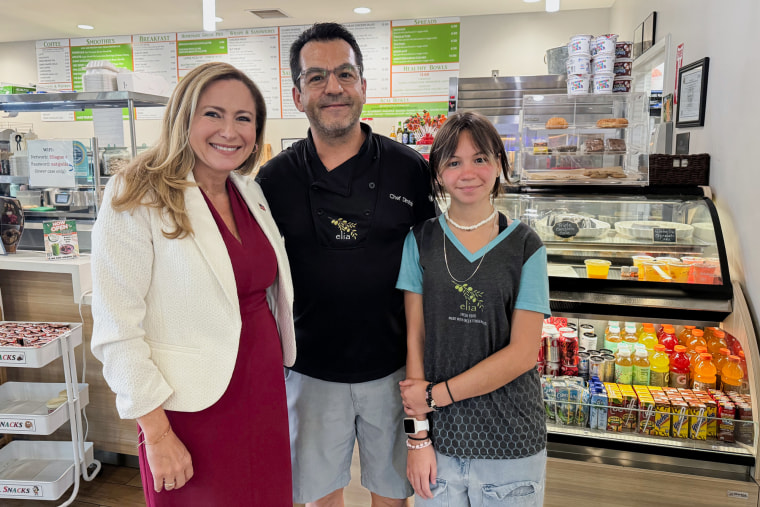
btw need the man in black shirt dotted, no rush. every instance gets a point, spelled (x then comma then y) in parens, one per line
(344, 200)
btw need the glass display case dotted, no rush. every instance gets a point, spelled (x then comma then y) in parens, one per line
(584, 140)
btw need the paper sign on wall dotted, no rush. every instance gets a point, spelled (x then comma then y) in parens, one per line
(53, 163)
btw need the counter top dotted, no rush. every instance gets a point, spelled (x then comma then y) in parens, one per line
(79, 268)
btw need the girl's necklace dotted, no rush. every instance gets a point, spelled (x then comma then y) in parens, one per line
(469, 227)
(446, 258)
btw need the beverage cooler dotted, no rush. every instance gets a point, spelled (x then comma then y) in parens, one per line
(657, 260)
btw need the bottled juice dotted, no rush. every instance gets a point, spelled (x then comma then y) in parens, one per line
(610, 323)
(685, 335)
(623, 365)
(648, 337)
(704, 373)
(659, 367)
(613, 339)
(694, 357)
(697, 340)
(679, 368)
(641, 367)
(716, 341)
(720, 360)
(645, 327)
(743, 364)
(731, 375)
(629, 333)
(668, 338)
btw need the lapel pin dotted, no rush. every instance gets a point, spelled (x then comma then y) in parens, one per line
(262, 207)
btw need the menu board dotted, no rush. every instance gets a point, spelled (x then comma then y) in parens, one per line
(407, 63)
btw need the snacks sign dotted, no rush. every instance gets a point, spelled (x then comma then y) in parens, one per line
(61, 240)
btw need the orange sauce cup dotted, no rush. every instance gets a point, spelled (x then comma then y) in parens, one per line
(679, 271)
(597, 268)
(638, 260)
(656, 271)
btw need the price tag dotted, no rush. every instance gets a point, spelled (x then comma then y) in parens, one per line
(567, 229)
(664, 235)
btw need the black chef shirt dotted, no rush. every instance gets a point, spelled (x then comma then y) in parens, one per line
(344, 232)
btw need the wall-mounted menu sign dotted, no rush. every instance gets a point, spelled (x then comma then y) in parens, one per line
(407, 63)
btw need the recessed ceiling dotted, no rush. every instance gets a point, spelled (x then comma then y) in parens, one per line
(52, 19)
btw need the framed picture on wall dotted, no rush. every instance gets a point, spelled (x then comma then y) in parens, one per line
(286, 143)
(647, 38)
(637, 34)
(692, 94)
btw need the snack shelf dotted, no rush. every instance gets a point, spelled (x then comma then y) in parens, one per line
(40, 470)
(23, 407)
(37, 357)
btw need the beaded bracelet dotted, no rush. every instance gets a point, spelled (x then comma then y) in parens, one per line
(429, 397)
(412, 447)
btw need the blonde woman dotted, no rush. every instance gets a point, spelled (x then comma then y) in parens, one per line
(192, 302)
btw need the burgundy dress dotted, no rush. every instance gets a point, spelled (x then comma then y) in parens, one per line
(240, 445)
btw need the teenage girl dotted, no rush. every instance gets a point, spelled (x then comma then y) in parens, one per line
(476, 293)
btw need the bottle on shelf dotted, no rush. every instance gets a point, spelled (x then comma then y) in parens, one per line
(399, 133)
(704, 373)
(643, 329)
(612, 339)
(392, 135)
(685, 335)
(623, 365)
(405, 134)
(679, 368)
(731, 375)
(668, 338)
(720, 360)
(659, 366)
(648, 337)
(716, 340)
(743, 364)
(629, 333)
(696, 340)
(610, 323)
(641, 367)
(694, 357)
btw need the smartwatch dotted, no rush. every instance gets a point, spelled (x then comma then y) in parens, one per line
(413, 425)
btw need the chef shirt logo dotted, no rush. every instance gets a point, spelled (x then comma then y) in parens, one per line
(346, 229)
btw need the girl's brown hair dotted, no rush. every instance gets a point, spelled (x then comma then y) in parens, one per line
(158, 177)
(484, 136)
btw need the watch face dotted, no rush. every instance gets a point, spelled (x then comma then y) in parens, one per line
(409, 426)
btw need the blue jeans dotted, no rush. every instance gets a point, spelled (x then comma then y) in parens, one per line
(464, 482)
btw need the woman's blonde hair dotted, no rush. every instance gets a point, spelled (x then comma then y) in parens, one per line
(158, 177)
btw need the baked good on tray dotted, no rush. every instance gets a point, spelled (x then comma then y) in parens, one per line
(612, 123)
(615, 145)
(595, 145)
(556, 122)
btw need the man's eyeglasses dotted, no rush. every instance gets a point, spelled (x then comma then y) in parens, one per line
(316, 78)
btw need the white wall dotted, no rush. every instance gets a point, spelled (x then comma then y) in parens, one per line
(726, 32)
(514, 44)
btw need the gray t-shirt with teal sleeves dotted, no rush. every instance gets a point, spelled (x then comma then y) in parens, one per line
(467, 321)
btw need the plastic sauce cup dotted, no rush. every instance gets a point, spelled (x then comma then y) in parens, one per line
(704, 273)
(637, 262)
(656, 271)
(679, 271)
(597, 268)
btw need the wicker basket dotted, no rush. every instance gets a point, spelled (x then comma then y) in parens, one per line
(679, 169)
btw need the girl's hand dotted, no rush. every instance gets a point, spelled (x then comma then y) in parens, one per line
(421, 470)
(413, 397)
(169, 462)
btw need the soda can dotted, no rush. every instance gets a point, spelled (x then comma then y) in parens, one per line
(593, 352)
(583, 364)
(595, 366)
(551, 351)
(587, 328)
(569, 370)
(606, 351)
(572, 325)
(588, 341)
(609, 368)
(542, 349)
(552, 368)
(541, 367)
(566, 329)
(569, 347)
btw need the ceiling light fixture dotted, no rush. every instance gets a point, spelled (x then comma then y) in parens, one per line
(86, 27)
(552, 5)
(209, 15)
(366, 10)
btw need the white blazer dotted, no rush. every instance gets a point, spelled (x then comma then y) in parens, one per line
(166, 313)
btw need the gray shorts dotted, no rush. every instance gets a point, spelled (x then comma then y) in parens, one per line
(325, 420)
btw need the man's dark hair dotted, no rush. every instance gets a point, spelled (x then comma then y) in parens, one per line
(322, 32)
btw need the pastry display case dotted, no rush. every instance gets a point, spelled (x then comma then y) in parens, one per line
(583, 140)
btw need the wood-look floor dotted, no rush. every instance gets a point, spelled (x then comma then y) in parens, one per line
(120, 486)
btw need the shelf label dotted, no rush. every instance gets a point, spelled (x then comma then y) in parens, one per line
(8, 425)
(737, 494)
(664, 235)
(20, 490)
(12, 358)
(566, 229)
